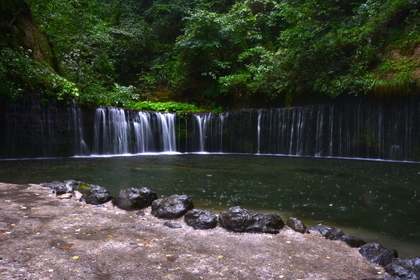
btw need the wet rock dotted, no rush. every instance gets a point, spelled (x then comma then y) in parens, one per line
(242, 220)
(404, 268)
(201, 219)
(172, 207)
(376, 253)
(328, 232)
(297, 225)
(96, 195)
(59, 188)
(134, 199)
(235, 219)
(74, 185)
(171, 225)
(91, 194)
(352, 241)
(266, 223)
(321, 229)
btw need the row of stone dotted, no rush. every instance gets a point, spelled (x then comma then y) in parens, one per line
(235, 219)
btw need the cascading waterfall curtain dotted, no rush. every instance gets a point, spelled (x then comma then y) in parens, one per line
(365, 129)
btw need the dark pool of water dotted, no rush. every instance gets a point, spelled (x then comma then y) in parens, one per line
(378, 201)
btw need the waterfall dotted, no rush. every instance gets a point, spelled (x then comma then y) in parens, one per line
(221, 131)
(259, 132)
(203, 130)
(119, 131)
(38, 127)
(80, 147)
(167, 129)
(363, 129)
(143, 133)
(111, 131)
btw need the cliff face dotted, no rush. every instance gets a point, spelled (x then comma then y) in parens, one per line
(17, 29)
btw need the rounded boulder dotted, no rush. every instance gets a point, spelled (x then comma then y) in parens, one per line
(134, 198)
(201, 219)
(172, 207)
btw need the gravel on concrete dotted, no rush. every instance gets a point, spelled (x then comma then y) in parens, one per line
(43, 237)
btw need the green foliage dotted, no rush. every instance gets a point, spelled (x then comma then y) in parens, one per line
(81, 39)
(219, 53)
(128, 97)
(169, 106)
(395, 74)
(17, 71)
(400, 86)
(266, 50)
(22, 75)
(63, 87)
(209, 49)
(261, 75)
(397, 66)
(117, 96)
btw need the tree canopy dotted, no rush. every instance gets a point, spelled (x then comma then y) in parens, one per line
(212, 53)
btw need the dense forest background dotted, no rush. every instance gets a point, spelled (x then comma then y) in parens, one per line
(185, 55)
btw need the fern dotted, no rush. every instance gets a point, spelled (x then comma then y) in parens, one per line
(399, 86)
